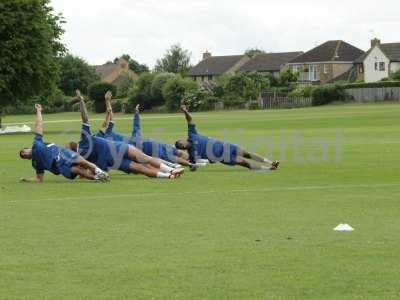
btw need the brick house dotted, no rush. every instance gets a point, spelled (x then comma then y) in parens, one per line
(326, 63)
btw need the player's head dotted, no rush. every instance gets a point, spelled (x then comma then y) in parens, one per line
(72, 146)
(182, 144)
(25, 153)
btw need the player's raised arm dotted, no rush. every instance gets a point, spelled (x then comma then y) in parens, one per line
(39, 120)
(82, 106)
(188, 117)
(109, 112)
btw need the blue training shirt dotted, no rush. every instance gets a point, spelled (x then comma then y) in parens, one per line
(44, 156)
(203, 146)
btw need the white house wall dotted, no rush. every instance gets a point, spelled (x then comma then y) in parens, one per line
(372, 75)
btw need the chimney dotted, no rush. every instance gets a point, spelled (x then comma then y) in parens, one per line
(206, 55)
(375, 42)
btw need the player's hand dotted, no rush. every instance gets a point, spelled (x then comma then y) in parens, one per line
(79, 95)
(183, 107)
(137, 108)
(38, 107)
(108, 96)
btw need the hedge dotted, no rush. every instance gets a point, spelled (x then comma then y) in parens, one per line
(328, 93)
(379, 84)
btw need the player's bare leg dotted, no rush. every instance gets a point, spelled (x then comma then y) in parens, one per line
(241, 161)
(259, 158)
(149, 171)
(138, 156)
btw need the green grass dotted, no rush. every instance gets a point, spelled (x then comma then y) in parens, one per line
(219, 233)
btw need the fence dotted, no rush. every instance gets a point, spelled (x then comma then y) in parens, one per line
(374, 94)
(282, 100)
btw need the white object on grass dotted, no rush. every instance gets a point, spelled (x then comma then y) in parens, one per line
(15, 129)
(343, 227)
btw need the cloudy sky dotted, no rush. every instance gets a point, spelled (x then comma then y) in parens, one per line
(99, 30)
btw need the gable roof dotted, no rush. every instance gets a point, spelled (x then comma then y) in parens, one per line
(105, 70)
(111, 72)
(391, 50)
(268, 62)
(330, 51)
(215, 65)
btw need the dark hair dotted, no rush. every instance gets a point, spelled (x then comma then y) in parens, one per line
(20, 153)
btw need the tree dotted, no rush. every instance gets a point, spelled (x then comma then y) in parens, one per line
(141, 92)
(96, 92)
(286, 78)
(247, 86)
(157, 85)
(29, 49)
(133, 64)
(174, 91)
(251, 52)
(176, 60)
(75, 74)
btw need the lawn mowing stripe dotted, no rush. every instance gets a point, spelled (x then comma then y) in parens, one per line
(282, 189)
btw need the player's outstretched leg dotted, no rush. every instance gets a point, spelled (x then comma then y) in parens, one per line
(150, 171)
(138, 156)
(241, 161)
(259, 158)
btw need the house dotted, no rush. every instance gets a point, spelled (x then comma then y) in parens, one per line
(115, 73)
(213, 66)
(380, 61)
(272, 63)
(325, 63)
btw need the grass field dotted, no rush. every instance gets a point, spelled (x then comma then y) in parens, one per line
(221, 232)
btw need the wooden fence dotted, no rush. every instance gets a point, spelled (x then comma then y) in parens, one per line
(282, 100)
(374, 94)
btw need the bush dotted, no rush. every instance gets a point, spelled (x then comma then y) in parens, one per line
(200, 100)
(125, 85)
(372, 84)
(302, 91)
(156, 88)
(174, 91)
(395, 76)
(97, 91)
(119, 105)
(141, 92)
(328, 93)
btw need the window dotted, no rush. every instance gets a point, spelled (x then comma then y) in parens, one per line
(381, 66)
(295, 69)
(325, 69)
(313, 73)
(376, 66)
(210, 78)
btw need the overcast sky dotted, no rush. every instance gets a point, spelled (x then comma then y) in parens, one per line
(99, 30)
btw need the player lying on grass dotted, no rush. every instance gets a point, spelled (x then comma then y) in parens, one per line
(108, 154)
(55, 159)
(201, 146)
(169, 154)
